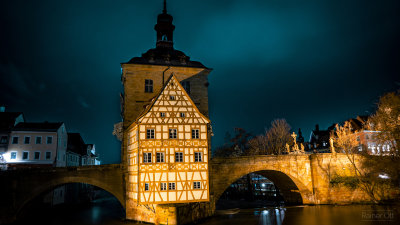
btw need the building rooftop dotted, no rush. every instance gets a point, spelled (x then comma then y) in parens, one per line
(46, 126)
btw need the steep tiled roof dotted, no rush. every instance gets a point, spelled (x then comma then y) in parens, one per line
(9, 115)
(37, 126)
(7, 119)
(76, 143)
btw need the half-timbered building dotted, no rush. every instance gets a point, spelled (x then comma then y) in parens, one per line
(167, 150)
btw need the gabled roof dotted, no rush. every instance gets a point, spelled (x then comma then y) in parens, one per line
(9, 115)
(7, 119)
(38, 126)
(76, 143)
(153, 100)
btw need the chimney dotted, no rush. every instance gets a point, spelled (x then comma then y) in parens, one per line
(316, 127)
(2, 109)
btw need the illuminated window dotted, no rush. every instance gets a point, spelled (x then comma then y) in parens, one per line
(49, 140)
(186, 86)
(146, 186)
(360, 148)
(162, 114)
(160, 157)
(163, 186)
(196, 185)
(147, 157)
(150, 133)
(195, 133)
(197, 157)
(36, 155)
(148, 86)
(178, 156)
(48, 155)
(38, 140)
(171, 186)
(4, 139)
(171, 97)
(15, 140)
(182, 114)
(27, 139)
(25, 155)
(13, 155)
(172, 133)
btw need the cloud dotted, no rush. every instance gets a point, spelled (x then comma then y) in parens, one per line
(83, 103)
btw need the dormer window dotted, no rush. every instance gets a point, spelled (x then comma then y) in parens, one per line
(148, 86)
(171, 97)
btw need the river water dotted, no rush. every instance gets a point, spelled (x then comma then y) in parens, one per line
(110, 212)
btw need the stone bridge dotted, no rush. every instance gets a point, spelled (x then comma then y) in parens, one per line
(23, 188)
(303, 179)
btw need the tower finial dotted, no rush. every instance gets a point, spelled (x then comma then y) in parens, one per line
(165, 7)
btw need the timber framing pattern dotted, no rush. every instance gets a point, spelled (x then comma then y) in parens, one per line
(168, 150)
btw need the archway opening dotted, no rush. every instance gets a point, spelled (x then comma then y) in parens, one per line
(260, 189)
(71, 203)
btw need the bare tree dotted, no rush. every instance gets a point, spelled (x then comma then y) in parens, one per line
(364, 177)
(278, 135)
(273, 141)
(236, 145)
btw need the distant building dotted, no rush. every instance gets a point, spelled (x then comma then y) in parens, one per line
(80, 154)
(7, 121)
(319, 140)
(366, 138)
(75, 149)
(300, 138)
(35, 145)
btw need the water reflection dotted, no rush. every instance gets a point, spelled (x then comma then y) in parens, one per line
(310, 215)
(112, 213)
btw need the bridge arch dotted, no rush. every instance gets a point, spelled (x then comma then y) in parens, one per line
(31, 186)
(291, 174)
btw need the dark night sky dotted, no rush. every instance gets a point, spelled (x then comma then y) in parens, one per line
(307, 61)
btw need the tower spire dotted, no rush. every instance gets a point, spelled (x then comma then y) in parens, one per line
(165, 7)
(164, 29)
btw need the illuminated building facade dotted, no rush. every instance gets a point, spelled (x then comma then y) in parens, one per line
(34, 145)
(168, 150)
(166, 130)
